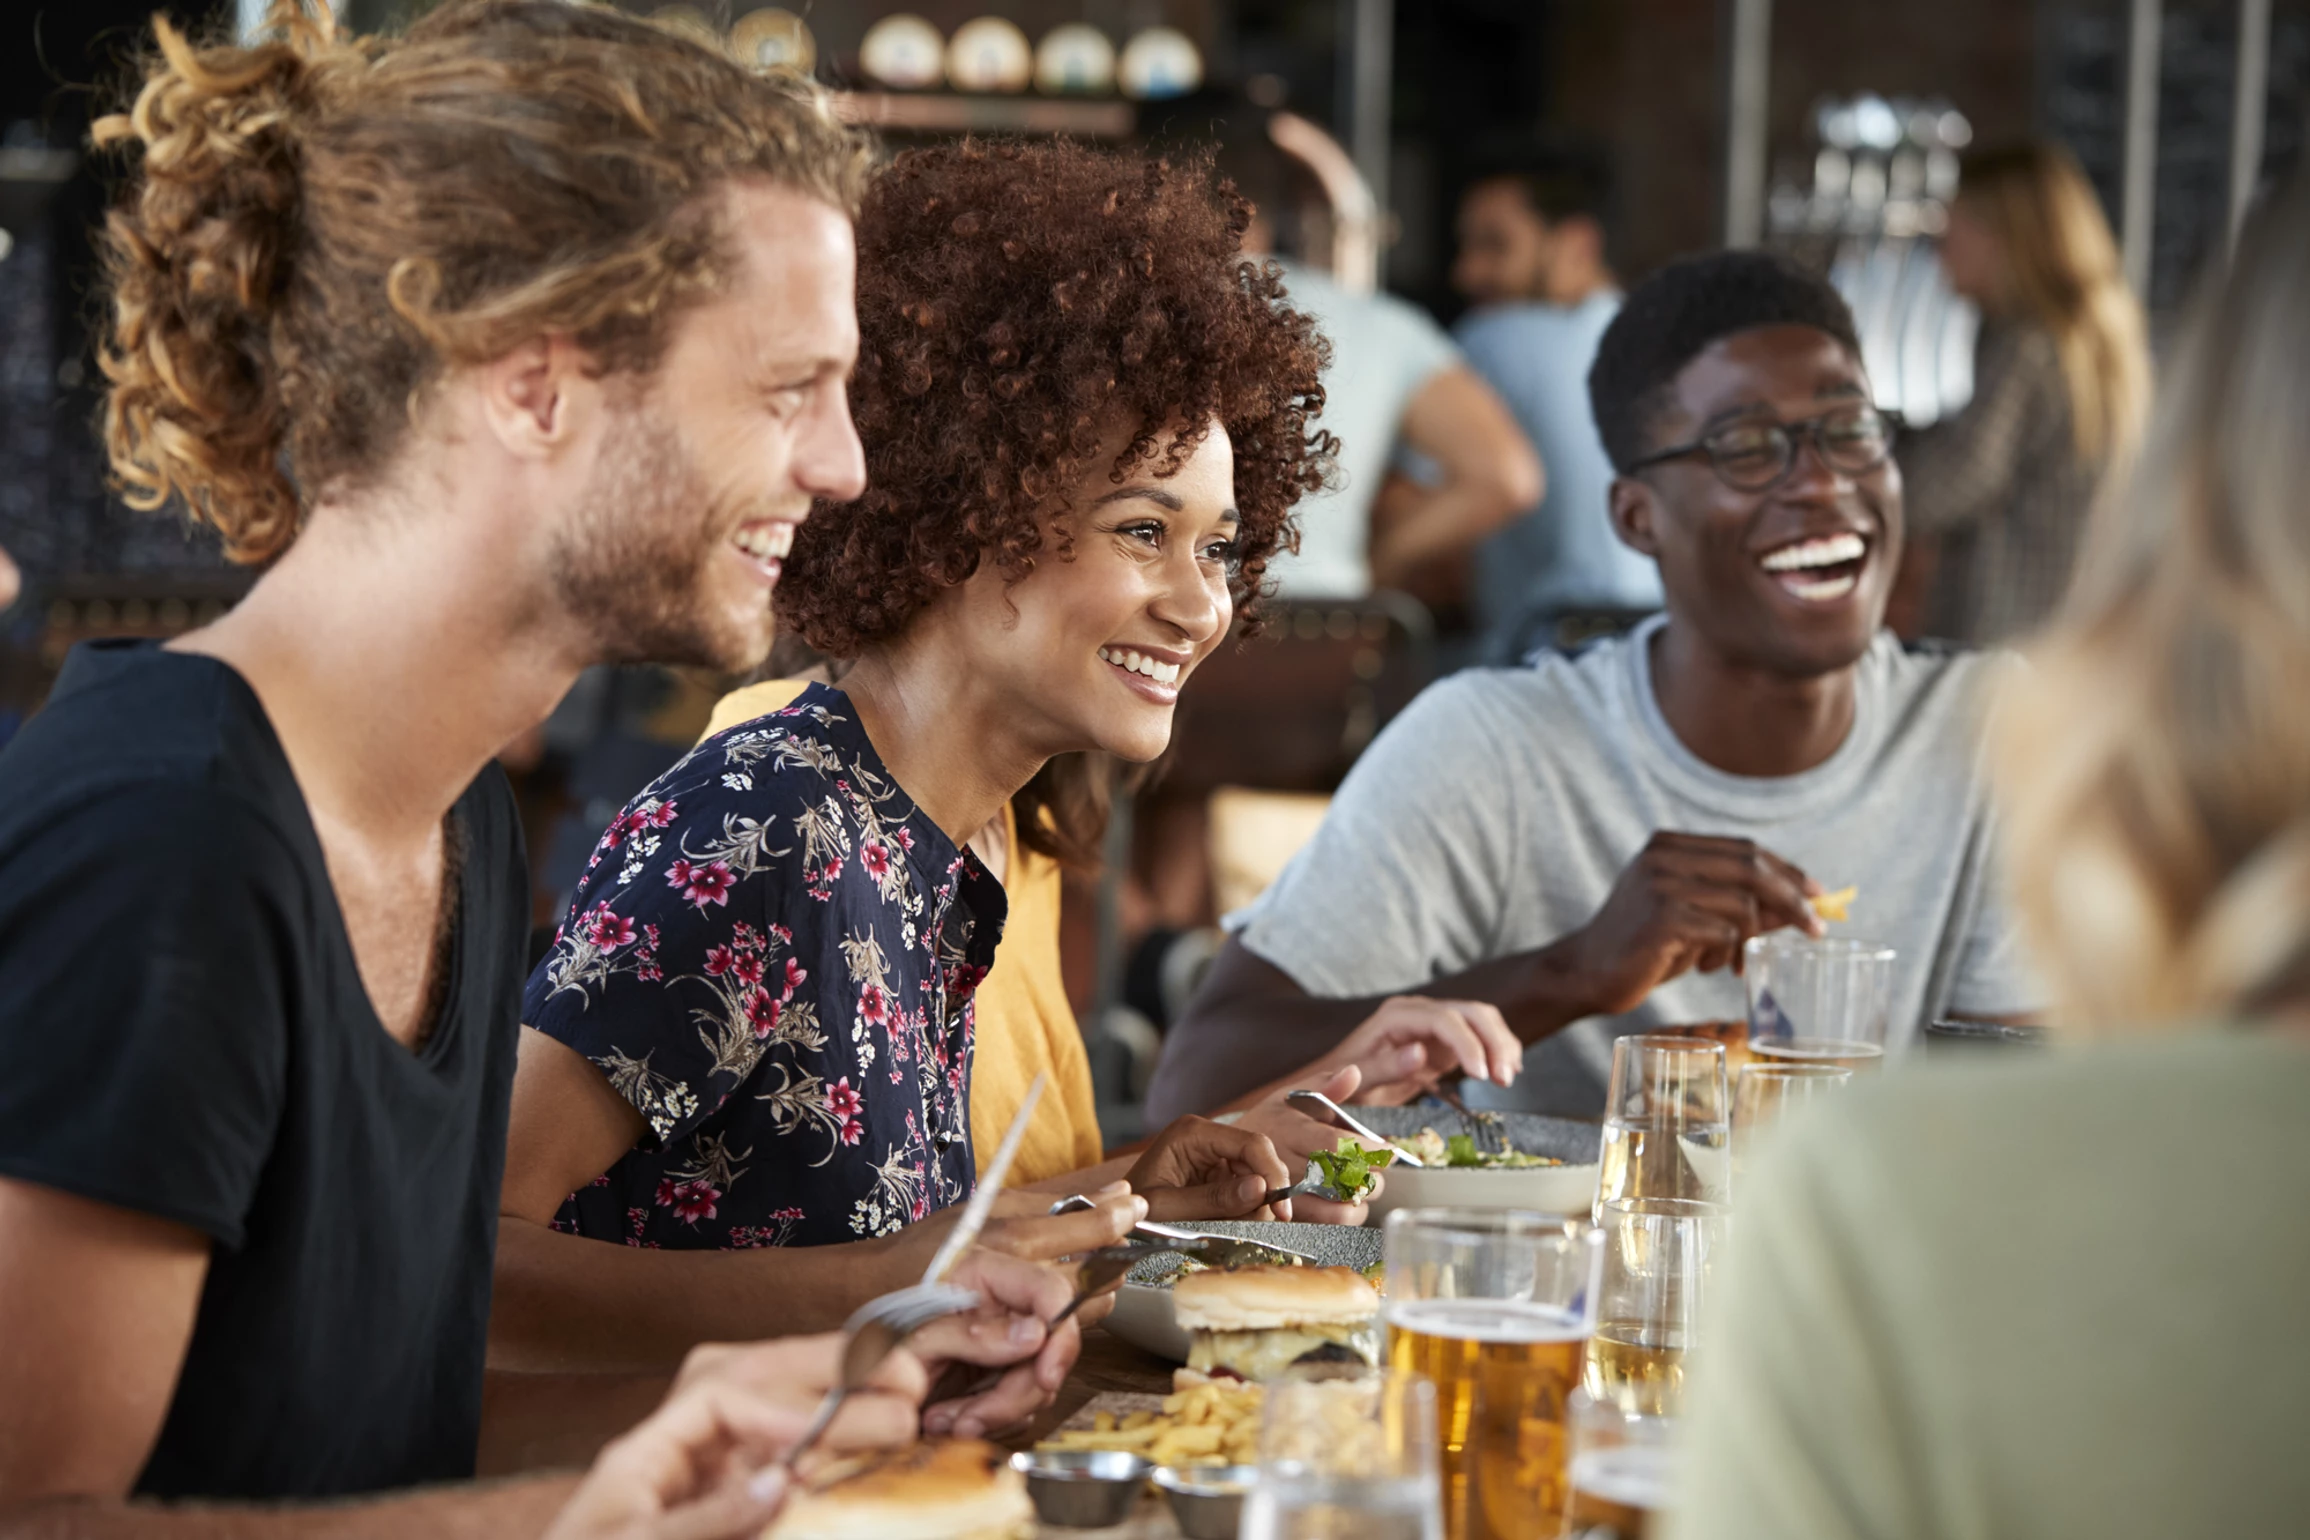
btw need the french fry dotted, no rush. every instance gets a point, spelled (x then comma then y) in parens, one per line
(1835, 907)
(1203, 1425)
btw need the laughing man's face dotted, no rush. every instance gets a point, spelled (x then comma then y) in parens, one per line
(1793, 579)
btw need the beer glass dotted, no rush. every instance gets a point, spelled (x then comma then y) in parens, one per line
(1768, 1091)
(1620, 1471)
(1666, 1121)
(1818, 1002)
(1659, 1254)
(1346, 1452)
(1495, 1306)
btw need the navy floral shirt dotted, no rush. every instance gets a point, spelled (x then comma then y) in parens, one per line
(772, 955)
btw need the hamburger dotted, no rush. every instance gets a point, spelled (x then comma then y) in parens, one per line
(1252, 1323)
(954, 1489)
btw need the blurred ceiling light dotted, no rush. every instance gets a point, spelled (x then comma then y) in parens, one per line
(989, 54)
(1161, 62)
(1075, 60)
(774, 39)
(903, 52)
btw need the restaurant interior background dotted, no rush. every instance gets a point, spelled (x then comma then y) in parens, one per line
(1822, 126)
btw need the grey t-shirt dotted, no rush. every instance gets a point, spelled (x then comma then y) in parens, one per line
(1494, 815)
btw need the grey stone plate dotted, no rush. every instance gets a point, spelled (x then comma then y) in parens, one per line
(1142, 1314)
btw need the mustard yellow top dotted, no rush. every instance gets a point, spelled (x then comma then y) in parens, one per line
(1025, 1024)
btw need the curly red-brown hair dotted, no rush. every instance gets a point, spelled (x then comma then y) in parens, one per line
(1018, 304)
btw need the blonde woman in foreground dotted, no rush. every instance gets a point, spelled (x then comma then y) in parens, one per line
(2062, 1295)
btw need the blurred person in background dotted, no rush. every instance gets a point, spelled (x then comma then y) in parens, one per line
(1532, 261)
(2061, 373)
(1581, 846)
(1395, 386)
(2062, 1295)
(462, 338)
(758, 1032)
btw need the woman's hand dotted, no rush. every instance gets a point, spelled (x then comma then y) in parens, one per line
(1007, 1333)
(1411, 1042)
(703, 1465)
(1198, 1169)
(1297, 1136)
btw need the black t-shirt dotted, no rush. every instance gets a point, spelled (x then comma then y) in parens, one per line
(183, 1032)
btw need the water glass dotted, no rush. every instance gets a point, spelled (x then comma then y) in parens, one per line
(1495, 1306)
(1667, 1121)
(1659, 1256)
(1346, 1452)
(1818, 1001)
(1621, 1465)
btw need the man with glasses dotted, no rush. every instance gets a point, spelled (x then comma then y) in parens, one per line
(1586, 843)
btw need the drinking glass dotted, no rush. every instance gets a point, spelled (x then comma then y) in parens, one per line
(1659, 1254)
(1818, 1001)
(1733, 1034)
(1495, 1306)
(1346, 1452)
(1621, 1465)
(1666, 1121)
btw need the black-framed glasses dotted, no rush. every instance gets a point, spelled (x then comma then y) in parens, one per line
(1755, 456)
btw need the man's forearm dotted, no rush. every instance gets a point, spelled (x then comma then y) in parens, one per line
(1449, 520)
(1251, 1027)
(566, 1304)
(506, 1510)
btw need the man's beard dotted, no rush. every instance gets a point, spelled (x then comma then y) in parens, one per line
(632, 564)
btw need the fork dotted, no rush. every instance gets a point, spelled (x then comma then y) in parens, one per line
(1102, 1270)
(1323, 1109)
(873, 1332)
(1485, 1128)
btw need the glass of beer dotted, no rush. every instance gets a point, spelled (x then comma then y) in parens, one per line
(1496, 1307)
(1620, 1471)
(1346, 1452)
(1667, 1121)
(1658, 1256)
(1768, 1091)
(1818, 1001)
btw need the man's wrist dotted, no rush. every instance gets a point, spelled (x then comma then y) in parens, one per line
(1556, 990)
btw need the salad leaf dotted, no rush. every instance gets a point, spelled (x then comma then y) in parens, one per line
(1460, 1150)
(1348, 1169)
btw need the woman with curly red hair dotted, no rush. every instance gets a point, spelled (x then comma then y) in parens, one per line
(1087, 418)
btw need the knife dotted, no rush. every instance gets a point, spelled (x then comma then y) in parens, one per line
(1225, 1250)
(982, 1203)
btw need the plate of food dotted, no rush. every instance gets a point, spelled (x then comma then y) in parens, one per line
(1147, 1315)
(1525, 1160)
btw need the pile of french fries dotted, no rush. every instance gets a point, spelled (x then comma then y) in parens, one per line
(1213, 1424)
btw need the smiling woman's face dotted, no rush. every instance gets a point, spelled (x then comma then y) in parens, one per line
(1090, 649)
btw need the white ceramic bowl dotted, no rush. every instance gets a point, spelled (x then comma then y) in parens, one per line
(1565, 1189)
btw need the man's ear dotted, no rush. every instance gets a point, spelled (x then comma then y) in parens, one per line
(1633, 508)
(536, 397)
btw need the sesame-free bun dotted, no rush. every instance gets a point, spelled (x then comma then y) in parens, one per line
(1263, 1298)
(956, 1489)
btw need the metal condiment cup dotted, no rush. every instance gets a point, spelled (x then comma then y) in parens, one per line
(1207, 1500)
(1082, 1488)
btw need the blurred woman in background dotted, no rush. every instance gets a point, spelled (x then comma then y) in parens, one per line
(2062, 1296)
(2061, 383)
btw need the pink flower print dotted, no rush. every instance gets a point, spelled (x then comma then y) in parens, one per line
(905, 838)
(650, 973)
(873, 1005)
(651, 931)
(720, 960)
(606, 930)
(794, 977)
(785, 936)
(746, 937)
(762, 1012)
(874, 856)
(749, 968)
(851, 1131)
(620, 826)
(658, 817)
(691, 1201)
(701, 885)
(843, 1101)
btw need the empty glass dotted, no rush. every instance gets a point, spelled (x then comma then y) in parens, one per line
(1659, 1254)
(1667, 1121)
(1621, 1464)
(1346, 1452)
(1818, 1001)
